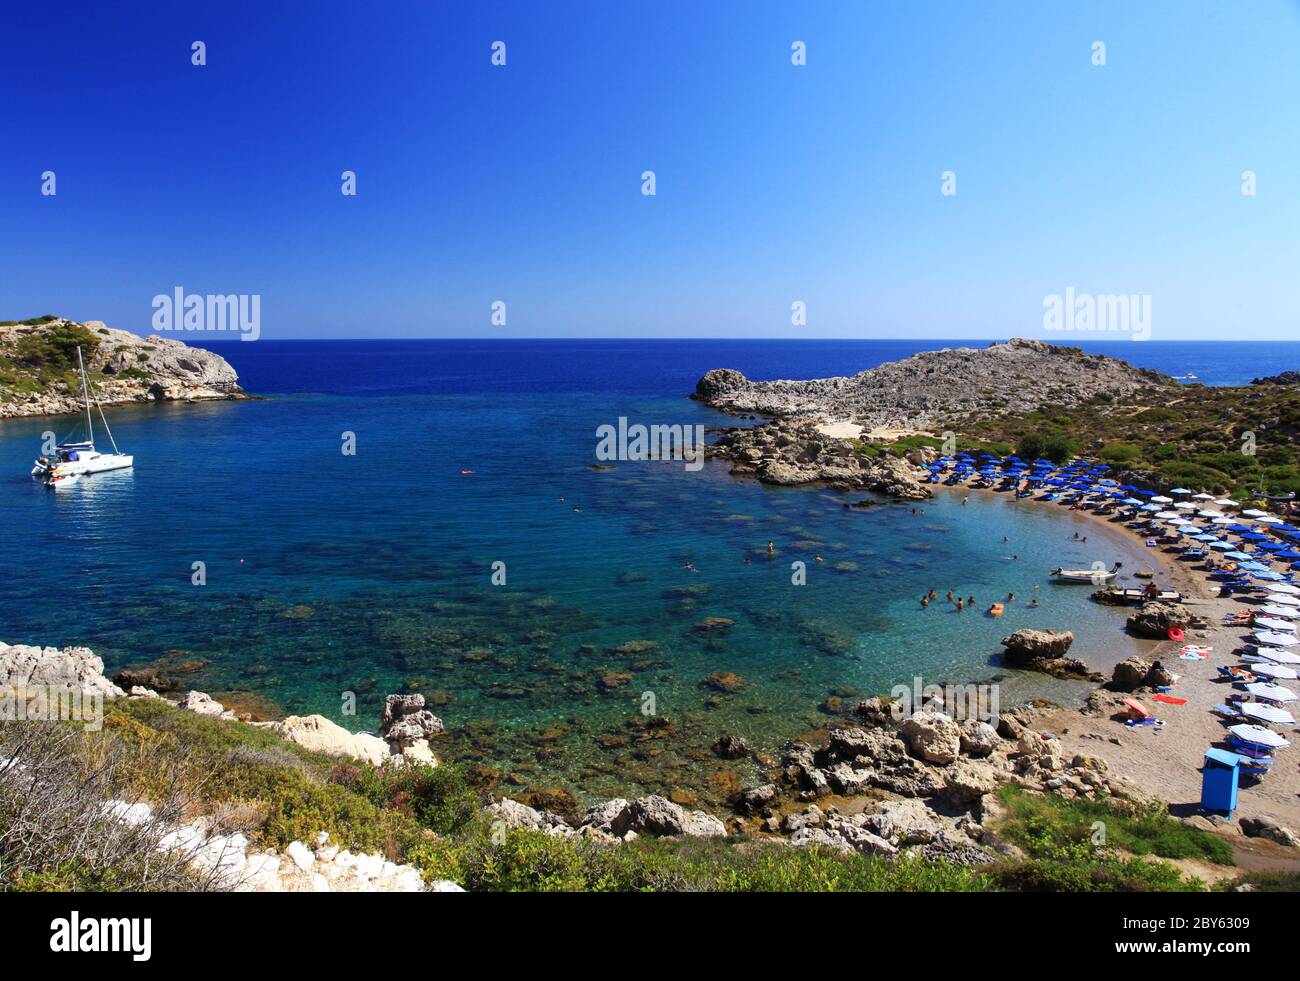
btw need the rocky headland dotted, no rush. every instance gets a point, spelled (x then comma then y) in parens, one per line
(38, 363)
(928, 389)
(835, 431)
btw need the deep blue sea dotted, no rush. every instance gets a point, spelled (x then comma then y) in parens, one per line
(328, 573)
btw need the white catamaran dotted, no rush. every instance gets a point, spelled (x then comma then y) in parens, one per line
(71, 461)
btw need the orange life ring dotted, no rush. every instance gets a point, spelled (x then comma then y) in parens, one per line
(1175, 633)
(996, 610)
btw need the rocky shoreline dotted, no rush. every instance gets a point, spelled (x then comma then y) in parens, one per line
(125, 368)
(883, 783)
(788, 452)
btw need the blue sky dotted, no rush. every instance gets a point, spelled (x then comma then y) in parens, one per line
(775, 183)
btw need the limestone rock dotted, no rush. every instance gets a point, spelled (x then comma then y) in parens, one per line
(318, 733)
(69, 669)
(932, 736)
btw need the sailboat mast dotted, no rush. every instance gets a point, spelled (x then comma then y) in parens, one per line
(90, 429)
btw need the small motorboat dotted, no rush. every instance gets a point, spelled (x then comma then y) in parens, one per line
(60, 481)
(1095, 577)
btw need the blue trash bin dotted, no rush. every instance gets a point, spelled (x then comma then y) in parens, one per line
(1220, 774)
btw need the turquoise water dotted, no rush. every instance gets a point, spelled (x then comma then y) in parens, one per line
(371, 574)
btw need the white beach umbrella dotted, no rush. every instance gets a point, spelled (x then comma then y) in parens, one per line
(1255, 513)
(1275, 623)
(1270, 692)
(1271, 638)
(1161, 499)
(1267, 713)
(1278, 671)
(1185, 506)
(1268, 519)
(1210, 514)
(1282, 600)
(1277, 655)
(1227, 502)
(1289, 612)
(1258, 735)
(1203, 497)
(1224, 521)
(1286, 588)
(1164, 515)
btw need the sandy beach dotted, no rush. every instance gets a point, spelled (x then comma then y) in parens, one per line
(1166, 762)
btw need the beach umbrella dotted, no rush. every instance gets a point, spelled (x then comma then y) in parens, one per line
(1203, 496)
(1271, 638)
(1240, 556)
(1277, 655)
(1180, 490)
(1274, 623)
(1161, 499)
(1168, 514)
(1269, 520)
(1267, 713)
(1137, 708)
(1282, 599)
(1268, 576)
(1210, 514)
(1279, 671)
(1131, 500)
(1271, 692)
(1222, 546)
(1287, 589)
(1255, 513)
(1275, 610)
(1221, 521)
(1185, 506)
(1226, 502)
(1258, 735)
(1206, 538)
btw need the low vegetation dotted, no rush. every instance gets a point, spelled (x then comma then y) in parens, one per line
(1241, 441)
(45, 360)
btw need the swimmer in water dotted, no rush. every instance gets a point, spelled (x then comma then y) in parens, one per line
(959, 606)
(1033, 603)
(950, 596)
(771, 549)
(925, 601)
(1011, 597)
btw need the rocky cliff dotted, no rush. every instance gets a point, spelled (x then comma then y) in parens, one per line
(38, 363)
(926, 389)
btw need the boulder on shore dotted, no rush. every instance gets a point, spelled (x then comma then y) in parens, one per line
(1155, 619)
(1135, 672)
(1044, 650)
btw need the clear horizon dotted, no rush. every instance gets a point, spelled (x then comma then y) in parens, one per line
(776, 183)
